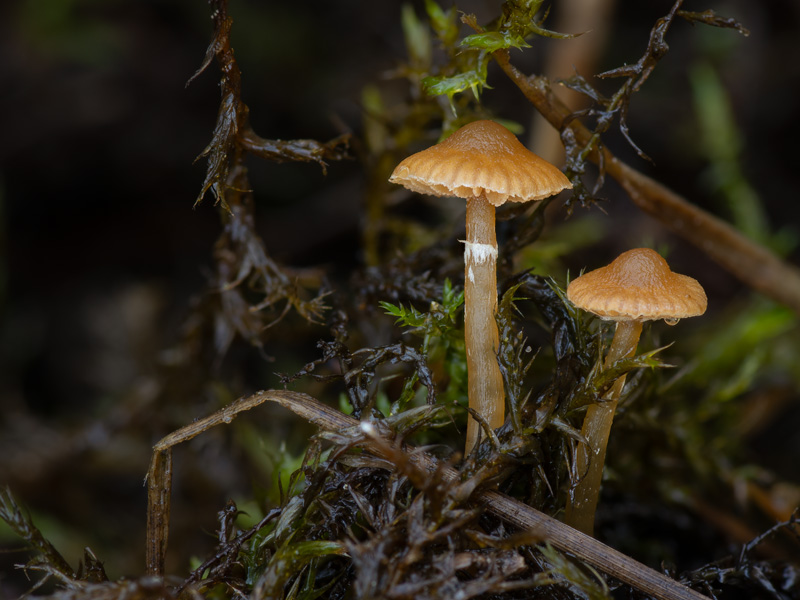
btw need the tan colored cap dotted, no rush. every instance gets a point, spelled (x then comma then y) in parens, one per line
(638, 285)
(482, 157)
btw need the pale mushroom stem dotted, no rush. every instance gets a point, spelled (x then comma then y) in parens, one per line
(485, 382)
(582, 502)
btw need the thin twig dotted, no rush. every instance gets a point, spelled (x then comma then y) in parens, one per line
(226, 552)
(751, 263)
(159, 492)
(20, 522)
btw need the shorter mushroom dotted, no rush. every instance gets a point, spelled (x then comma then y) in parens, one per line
(637, 286)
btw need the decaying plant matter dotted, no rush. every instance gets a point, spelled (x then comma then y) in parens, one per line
(250, 284)
(442, 500)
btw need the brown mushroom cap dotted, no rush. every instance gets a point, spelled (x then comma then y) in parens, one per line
(638, 285)
(482, 157)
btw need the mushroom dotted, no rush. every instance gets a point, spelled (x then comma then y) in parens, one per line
(637, 286)
(487, 165)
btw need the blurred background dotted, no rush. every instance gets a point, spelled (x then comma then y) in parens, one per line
(102, 254)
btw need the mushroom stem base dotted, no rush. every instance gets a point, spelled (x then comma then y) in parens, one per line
(590, 457)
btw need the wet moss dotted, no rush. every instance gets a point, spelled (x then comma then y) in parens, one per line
(387, 506)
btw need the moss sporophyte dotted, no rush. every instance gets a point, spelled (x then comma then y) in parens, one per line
(487, 165)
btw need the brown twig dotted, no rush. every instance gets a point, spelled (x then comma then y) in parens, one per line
(510, 510)
(580, 55)
(51, 561)
(751, 263)
(240, 254)
(159, 478)
(226, 553)
(233, 137)
(159, 491)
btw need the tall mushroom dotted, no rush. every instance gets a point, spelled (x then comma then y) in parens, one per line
(486, 164)
(637, 286)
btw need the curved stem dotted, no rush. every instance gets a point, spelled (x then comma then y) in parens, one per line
(591, 456)
(485, 382)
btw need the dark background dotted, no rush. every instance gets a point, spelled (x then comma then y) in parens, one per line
(102, 250)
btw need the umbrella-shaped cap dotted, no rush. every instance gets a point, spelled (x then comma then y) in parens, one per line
(638, 285)
(482, 157)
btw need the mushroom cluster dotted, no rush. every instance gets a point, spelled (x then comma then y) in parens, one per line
(487, 165)
(637, 286)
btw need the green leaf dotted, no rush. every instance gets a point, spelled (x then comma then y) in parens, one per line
(495, 40)
(579, 579)
(451, 300)
(418, 39)
(443, 23)
(406, 317)
(441, 341)
(474, 79)
(449, 86)
(721, 143)
(601, 378)
(391, 309)
(541, 31)
(289, 560)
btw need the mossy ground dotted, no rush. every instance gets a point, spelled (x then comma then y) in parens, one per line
(347, 289)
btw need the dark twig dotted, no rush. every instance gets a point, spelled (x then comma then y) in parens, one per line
(638, 73)
(233, 136)
(296, 150)
(709, 17)
(226, 553)
(253, 292)
(159, 492)
(21, 524)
